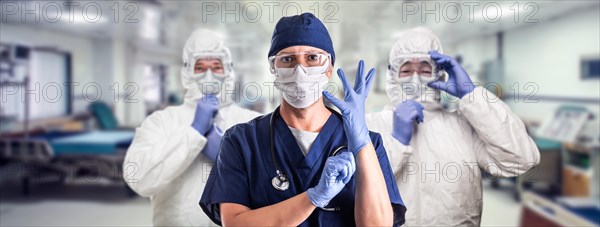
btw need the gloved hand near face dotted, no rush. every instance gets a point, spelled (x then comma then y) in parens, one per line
(336, 174)
(459, 83)
(404, 115)
(353, 107)
(206, 109)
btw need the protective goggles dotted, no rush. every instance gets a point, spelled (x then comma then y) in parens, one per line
(305, 59)
(202, 64)
(209, 74)
(406, 66)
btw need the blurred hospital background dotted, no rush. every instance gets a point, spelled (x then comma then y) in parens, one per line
(77, 77)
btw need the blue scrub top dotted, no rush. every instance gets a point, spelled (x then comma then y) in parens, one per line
(244, 169)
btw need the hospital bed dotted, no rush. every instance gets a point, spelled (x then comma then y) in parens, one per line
(71, 155)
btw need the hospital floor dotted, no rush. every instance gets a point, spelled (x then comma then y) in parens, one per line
(108, 205)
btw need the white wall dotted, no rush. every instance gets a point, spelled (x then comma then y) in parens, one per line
(103, 67)
(549, 54)
(474, 51)
(546, 53)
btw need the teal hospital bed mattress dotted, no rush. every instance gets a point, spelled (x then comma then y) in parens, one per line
(98, 142)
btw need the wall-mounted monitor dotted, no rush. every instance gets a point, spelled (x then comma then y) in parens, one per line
(590, 67)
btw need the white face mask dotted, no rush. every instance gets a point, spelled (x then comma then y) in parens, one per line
(413, 88)
(210, 83)
(301, 87)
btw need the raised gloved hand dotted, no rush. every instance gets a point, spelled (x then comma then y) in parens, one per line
(206, 109)
(213, 142)
(353, 107)
(404, 115)
(336, 174)
(459, 83)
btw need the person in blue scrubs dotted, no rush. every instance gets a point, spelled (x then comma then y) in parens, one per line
(284, 168)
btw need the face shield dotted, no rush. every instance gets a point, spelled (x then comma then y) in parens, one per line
(210, 71)
(313, 64)
(201, 63)
(409, 76)
(404, 67)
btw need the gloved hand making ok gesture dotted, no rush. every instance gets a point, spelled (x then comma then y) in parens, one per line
(353, 107)
(459, 83)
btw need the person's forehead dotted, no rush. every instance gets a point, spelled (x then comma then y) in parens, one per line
(416, 62)
(295, 49)
(208, 61)
(417, 59)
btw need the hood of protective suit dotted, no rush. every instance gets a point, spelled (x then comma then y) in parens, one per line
(419, 40)
(203, 41)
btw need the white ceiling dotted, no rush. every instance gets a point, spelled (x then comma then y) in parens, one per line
(381, 19)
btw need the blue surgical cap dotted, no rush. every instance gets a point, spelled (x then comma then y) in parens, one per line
(301, 30)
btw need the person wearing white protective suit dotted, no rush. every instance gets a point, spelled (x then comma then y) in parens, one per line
(436, 155)
(173, 150)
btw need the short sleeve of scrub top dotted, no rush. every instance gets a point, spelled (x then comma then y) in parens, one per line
(231, 177)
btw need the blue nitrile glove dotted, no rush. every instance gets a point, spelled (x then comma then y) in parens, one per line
(404, 115)
(213, 142)
(353, 107)
(206, 109)
(459, 83)
(336, 174)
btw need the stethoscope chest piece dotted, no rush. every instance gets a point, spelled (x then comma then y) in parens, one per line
(280, 182)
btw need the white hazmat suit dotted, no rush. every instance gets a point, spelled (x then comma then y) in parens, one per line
(165, 161)
(438, 173)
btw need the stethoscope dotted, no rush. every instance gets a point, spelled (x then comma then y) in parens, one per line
(281, 181)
